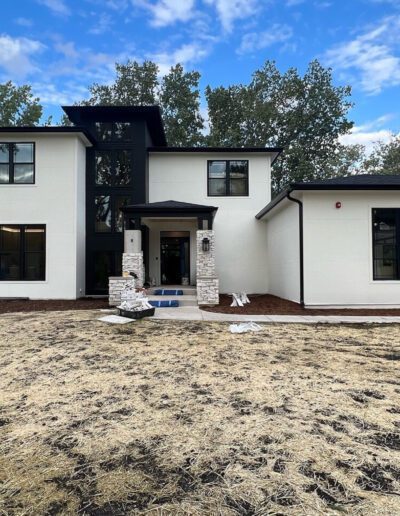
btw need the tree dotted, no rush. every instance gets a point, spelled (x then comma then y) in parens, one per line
(385, 158)
(180, 103)
(18, 106)
(305, 115)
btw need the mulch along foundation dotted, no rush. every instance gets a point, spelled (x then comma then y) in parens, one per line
(51, 305)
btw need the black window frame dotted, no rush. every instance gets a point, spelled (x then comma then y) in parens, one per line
(227, 178)
(397, 244)
(11, 163)
(113, 196)
(23, 252)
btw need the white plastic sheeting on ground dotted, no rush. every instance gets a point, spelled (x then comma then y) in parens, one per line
(244, 327)
(116, 319)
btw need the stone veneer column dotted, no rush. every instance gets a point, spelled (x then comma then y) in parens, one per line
(207, 281)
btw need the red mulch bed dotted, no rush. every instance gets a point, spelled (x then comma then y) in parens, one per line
(51, 305)
(266, 304)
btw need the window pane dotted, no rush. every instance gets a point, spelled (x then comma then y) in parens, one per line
(23, 174)
(103, 214)
(217, 169)
(119, 216)
(238, 168)
(217, 187)
(23, 153)
(10, 239)
(122, 131)
(34, 266)
(4, 174)
(10, 266)
(384, 237)
(102, 269)
(103, 168)
(238, 187)
(122, 168)
(34, 239)
(104, 130)
(4, 153)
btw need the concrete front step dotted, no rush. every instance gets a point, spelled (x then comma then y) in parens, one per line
(185, 300)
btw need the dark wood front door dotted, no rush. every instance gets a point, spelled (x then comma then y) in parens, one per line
(175, 260)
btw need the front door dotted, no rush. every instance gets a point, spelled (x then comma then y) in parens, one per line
(175, 260)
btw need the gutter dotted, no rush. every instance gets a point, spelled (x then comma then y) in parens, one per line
(301, 245)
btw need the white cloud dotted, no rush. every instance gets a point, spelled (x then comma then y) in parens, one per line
(231, 10)
(369, 134)
(56, 6)
(254, 41)
(186, 54)
(292, 3)
(373, 56)
(16, 56)
(24, 22)
(103, 23)
(168, 12)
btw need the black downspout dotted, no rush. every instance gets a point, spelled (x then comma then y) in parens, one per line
(301, 247)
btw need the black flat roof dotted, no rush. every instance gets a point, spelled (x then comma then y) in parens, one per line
(47, 129)
(166, 206)
(354, 182)
(152, 115)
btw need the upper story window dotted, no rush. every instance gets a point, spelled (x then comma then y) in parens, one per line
(228, 178)
(17, 163)
(114, 131)
(22, 252)
(113, 168)
(386, 243)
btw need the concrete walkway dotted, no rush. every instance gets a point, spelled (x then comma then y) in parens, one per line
(193, 313)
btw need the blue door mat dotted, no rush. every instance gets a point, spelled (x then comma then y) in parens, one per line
(168, 292)
(165, 304)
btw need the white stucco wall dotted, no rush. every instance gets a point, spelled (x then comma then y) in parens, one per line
(56, 200)
(283, 258)
(239, 238)
(338, 249)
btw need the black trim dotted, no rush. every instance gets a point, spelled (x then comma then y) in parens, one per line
(11, 163)
(301, 245)
(227, 178)
(49, 129)
(397, 251)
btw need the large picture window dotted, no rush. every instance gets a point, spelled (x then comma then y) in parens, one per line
(228, 178)
(108, 215)
(386, 243)
(22, 252)
(17, 163)
(113, 168)
(114, 131)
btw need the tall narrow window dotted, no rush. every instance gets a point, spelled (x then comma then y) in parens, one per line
(103, 214)
(386, 243)
(103, 168)
(122, 168)
(17, 163)
(119, 216)
(22, 252)
(228, 178)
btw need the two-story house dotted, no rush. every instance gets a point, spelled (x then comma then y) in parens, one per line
(77, 202)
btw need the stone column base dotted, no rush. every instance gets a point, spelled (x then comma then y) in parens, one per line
(133, 262)
(116, 285)
(207, 291)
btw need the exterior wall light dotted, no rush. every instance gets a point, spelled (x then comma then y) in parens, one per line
(205, 244)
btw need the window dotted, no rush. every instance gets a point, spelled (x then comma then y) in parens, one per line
(17, 163)
(114, 131)
(228, 178)
(108, 214)
(113, 168)
(22, 252)
(386, 243)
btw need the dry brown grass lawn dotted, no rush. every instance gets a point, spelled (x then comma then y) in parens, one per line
(162, 417)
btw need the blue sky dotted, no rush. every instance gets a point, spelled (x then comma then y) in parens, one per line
(61, 46)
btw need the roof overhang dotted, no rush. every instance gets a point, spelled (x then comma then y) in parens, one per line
(80, 132)
(169, 209)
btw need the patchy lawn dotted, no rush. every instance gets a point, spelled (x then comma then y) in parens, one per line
(186, 417)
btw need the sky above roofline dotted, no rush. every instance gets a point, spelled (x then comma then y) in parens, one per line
(60, 47)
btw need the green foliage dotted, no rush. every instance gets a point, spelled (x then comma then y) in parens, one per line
(180, 102)
(384, 159)
(305, 115)
(18, 106)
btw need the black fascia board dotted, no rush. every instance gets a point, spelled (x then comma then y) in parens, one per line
(151, 114)
(48, 129)
(321, 187)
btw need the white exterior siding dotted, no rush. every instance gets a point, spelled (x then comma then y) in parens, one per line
(283, 258)
(239, 238)
(338, 249)
(56, 200)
